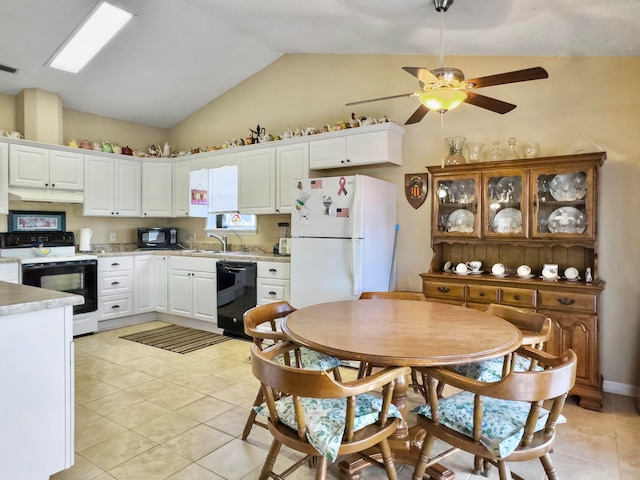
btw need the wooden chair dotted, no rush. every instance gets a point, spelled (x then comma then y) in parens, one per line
(499, 422)
(262, 324)
(365, 367)
(323, 418)
(536, 330)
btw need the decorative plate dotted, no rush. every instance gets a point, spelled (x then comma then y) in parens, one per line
(460, 220)
(463, 191)
(567, 220)
(508, 220)
(568, 186)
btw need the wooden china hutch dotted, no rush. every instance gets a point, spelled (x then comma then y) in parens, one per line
(524, 212)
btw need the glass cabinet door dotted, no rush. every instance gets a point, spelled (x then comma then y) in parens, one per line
(563, 203)
(505, 205)
(456, 206)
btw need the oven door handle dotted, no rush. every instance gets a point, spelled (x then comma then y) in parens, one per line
(38, 266)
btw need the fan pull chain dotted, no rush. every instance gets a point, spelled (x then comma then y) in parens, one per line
(442, 149)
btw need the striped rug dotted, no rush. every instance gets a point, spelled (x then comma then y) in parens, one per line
(177, 339)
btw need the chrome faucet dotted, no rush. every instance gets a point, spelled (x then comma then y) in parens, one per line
(221, 238)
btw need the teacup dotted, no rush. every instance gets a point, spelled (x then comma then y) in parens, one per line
(4, 133)
(474, 265)
(571, 273)
(461, 268)
(550, 271)
(498, 269)
(523, 271)
(15, 135)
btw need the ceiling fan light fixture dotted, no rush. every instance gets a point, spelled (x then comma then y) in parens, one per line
(442, 100)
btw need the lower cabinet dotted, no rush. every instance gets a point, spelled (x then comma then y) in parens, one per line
(572, 307)
(192, 287)
(10, 272)
(161, 264)
(272, 282)
(144, 284)
(115, 287)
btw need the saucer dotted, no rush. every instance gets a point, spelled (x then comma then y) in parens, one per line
(500, 275)
(528, 276)
(460, 273)
(572, 279)
(476, 273)
(550, 279)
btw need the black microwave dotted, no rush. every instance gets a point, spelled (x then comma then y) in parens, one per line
(158, 237)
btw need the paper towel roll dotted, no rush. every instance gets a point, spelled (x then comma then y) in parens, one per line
(85, 239)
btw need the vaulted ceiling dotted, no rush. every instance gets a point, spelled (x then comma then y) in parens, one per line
(178, 55)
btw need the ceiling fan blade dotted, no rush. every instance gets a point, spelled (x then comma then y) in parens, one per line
(535, 73)
(417, 115)
(382, 98)
(489, 103)
(422, 74)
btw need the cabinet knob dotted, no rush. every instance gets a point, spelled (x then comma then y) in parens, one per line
(566, 301)
(517, 297)
(53, 185)
(482, 294)
(444, 289)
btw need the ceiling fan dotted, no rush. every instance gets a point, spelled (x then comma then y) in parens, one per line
(444, 88)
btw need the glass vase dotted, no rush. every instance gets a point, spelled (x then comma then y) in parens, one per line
(474, 150)
(455, 156)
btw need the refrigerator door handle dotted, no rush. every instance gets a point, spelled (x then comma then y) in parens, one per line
(357, 209)
(356, 267)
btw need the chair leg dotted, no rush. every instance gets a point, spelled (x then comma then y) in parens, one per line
(252, 415)
(503, 469)
(548, 467)
(423, 459)
(270, 461)
(336, 374)
(321, 467)
(387, 459)
(362, 370)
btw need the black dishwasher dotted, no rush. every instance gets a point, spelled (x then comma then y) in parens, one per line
(236, 294)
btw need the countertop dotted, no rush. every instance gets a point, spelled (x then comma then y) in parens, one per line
(16, 299)
(246, 256)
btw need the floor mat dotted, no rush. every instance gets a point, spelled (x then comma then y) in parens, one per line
(177, 339)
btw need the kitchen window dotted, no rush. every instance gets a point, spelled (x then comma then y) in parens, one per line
(221, 222)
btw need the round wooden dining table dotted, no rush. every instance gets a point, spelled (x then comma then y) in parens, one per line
(401, 333)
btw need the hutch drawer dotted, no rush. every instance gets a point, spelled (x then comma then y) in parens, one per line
(518, 297)
(568, 301)
(444, 290)
(483, 293)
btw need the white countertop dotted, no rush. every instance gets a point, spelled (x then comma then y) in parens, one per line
(16, 299)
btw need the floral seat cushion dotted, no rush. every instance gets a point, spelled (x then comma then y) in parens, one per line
(491, 370)
(325, 419)
(312, 360)
(502, 424)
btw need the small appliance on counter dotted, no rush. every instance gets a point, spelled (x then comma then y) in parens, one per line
(159, 238)
(283, 247)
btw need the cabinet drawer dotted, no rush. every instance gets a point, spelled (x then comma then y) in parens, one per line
(115, 306)
(272, 291)
(115, 264)
(518, 297)
(444, 290)
(482, 293)
(581, 302)
(114, 283)
(274, 270)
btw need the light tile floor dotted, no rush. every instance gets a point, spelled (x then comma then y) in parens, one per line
(146, 414)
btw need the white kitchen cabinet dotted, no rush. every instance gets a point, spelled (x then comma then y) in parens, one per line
(37, 419)
(272, 282)
(10, 272)
(36, 167)
(144, 292)
(381, 143)
(161, 264)
(112, 187)
(257, 181)
(192, 287)
(292, 162)
(181, 193)
(115, 287)
(4, 178)
(157, 186)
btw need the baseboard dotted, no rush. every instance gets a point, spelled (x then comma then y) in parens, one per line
(620, 388)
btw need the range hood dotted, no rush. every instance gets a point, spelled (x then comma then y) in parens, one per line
(45, 195)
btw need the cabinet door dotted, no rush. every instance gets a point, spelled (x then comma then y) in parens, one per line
(181, 194)
(328, 153)
(180, 292)
(456, 211)
(160, 275)
(204, 296)
(563, 203)
(4, 178)
(504, 204)
(256, 182)
(99, 175)
(127, 188)
(144, 285)
(10, 272)
(66, 170)
(28, 166)
(368, 148)
(157, 185)
(292, 162)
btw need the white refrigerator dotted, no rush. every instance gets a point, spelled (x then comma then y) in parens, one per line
(343, 238)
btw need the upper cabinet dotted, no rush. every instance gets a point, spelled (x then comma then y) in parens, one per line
(542, 200)
(157, 185)
(257, 181)
(112, 187)
(292, 162)
(180, 181)
(36, 167)
(4, 178)
(375, 144)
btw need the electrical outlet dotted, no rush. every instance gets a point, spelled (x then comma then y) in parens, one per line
(192, 236)
(112, 236)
